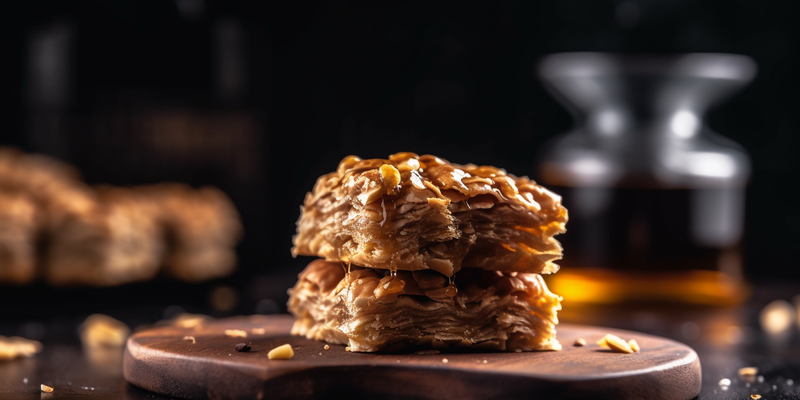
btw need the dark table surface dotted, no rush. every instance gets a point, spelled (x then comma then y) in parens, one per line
(726, 339)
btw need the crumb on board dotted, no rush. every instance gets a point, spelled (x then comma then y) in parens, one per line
(748, 371)
(755, 396)
(190, 338)
(235, 333)
(47, 389)
(725, 382)
(326, 347)
(283, 352)
(579, 342)
(445, 361)
(258, 331)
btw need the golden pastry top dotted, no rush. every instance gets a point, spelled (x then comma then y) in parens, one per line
(367, 180)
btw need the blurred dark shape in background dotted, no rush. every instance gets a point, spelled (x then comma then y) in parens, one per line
(261, 98)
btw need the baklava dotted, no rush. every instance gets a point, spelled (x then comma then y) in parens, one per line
(19, 228)
(417, 251)
(118, 241)
(201, 229)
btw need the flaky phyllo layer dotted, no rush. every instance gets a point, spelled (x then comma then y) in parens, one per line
(372, 310)
(412, 213)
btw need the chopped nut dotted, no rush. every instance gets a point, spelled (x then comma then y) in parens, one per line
(235, 333)
(47, 389)
(579, 342)
(633, 345)
(283, 352)
(190, 338)
(748, 371)
(99, 330)
(258, 331)
(347, 348)
(615, 343)
(370, 195)
(755, 396)
(390, 176)
(444, 360)
(326, 347)
(725, 382)
(15, 347)
(243, 347)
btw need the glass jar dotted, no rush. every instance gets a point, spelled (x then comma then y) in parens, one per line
(655, 197)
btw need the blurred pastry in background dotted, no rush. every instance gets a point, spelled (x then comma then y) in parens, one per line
(55, 187)
(19, 228)
(118, 241)
(54, 226)
(201, 227)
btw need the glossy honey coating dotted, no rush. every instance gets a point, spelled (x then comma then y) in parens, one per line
(410, 212)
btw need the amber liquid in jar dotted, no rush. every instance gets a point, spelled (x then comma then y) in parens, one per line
(651, 245)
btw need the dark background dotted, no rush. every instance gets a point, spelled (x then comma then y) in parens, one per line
(261, 98)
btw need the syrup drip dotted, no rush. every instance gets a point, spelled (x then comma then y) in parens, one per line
(451, 280)
(451, 290)
(346, 272)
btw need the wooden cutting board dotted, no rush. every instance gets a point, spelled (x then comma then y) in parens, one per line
(160, 360)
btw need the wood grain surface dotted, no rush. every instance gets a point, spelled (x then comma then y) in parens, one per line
(160, 360)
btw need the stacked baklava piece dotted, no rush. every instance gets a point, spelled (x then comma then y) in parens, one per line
(57, 228)
(416, 252)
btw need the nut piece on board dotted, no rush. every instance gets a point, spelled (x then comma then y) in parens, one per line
(243, 347)
(235, 333)
(615, 343)
(283, 352)
(748, 371)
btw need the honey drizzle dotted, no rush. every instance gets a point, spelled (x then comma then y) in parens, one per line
(383, 207)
